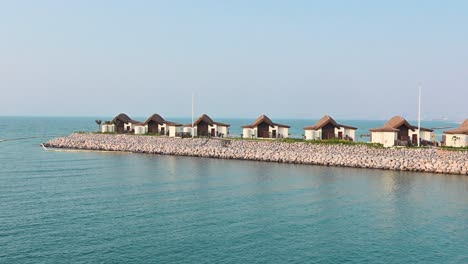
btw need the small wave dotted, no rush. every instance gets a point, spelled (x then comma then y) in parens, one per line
(24, 138)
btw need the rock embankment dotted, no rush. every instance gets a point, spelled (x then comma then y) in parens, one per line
(357, 156)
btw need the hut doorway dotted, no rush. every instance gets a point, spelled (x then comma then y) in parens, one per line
(120, 127)
(163, 132)
(273, 133)
(328, 131)
(403, 133)
(202, 129)
(152, 127)
(213, 132)
(263, 130)
(415, 139)
(340, 135)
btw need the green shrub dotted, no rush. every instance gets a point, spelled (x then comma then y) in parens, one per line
(454, 148)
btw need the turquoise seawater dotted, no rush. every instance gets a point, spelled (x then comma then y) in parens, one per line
(100, 207)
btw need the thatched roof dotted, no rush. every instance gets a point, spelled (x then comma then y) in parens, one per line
(122, 117)
(462, 129)
(326, 119)
(125, 119)
(159, 120)
(205, 118)
(394, 123)
(266, 120)
(156, 119)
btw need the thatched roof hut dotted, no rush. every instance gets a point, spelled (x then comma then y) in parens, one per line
(324, 121)
(157, 119)
(461, 130)
(394, 125)
(266, 120)
(207, 120)
(205, 126)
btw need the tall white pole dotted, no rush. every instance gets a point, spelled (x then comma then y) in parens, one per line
(419, 118)
(193, 131)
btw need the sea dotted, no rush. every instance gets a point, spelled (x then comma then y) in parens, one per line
(104, 207)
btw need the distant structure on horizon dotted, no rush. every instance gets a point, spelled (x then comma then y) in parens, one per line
(440, 119)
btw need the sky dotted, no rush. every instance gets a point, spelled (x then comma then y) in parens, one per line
(287, 59)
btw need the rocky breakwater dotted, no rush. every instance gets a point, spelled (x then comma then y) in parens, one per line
(357, 156)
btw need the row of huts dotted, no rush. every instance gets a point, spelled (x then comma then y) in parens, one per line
(262, 127)
(204, 126)
(397, 131)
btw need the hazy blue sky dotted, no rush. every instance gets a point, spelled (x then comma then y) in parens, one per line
(350, 59)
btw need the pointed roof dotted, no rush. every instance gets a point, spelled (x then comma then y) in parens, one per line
(462, 129)
(326, 119)
(264, 119)
(394, 123)
(205, 118)
(125, 119)
(155, 118)
(159, 120)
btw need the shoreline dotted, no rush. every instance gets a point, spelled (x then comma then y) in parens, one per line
(430, 160)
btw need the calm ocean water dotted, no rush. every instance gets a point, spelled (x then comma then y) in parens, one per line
(90, 207)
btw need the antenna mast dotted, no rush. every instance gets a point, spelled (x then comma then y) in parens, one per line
(419, 118)
(193, 130)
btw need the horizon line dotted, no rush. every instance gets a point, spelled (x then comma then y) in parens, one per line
(189, 117)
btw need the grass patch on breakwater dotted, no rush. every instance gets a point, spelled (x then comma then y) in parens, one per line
(454, 148)
(334, 141)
